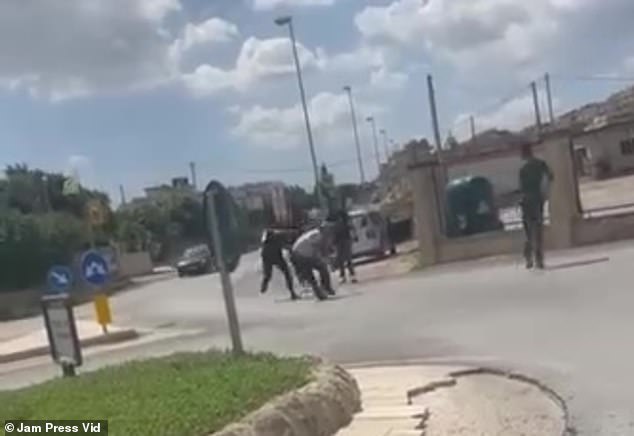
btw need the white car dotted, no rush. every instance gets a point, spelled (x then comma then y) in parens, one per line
(369, 234)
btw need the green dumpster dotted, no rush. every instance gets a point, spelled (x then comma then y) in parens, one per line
(470, 207)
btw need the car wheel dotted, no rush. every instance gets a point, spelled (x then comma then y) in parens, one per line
(181, 273)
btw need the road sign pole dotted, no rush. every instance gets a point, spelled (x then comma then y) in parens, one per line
(227, 287)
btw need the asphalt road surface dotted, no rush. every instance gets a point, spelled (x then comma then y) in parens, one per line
(571, 326)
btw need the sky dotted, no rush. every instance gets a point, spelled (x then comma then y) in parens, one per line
(129, 92)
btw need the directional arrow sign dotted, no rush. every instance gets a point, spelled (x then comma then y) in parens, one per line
(94, 268)
(59, 279)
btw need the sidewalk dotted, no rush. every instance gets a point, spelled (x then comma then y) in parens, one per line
(428, 401)
(36, 343)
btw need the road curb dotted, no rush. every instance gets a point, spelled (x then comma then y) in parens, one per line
(569, 429)
(473, 369)
(321, 408)
(108, 338)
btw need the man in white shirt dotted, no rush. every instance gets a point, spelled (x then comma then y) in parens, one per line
(308, 255)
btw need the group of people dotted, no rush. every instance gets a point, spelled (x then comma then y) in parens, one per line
(309, 254)
(310, 251)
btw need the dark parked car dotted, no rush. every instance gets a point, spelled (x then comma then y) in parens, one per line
(195, 260)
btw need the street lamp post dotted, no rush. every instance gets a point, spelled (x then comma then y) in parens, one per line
(288, 21)
(385, 146)
(355, 130)
(372, 122)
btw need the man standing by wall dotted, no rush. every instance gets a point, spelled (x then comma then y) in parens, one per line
(534, 178)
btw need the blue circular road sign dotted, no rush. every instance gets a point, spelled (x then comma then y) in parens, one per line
(59, 279)
(94, 268)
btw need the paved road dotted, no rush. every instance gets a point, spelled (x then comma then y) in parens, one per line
(572, 326)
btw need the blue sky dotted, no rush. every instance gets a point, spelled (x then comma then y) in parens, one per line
(130, 91)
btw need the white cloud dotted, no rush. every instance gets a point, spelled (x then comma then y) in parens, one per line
(283, 128)
(154, 10)
(81, 167)
(264, 59)
(390, 80)
(71, 48)
(514, 115)
(483, 37)
(259, 59)
(363, 58)
(262, 5)
(212, 31)
(457, 27)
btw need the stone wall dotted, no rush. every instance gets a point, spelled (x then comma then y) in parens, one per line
(321, 408)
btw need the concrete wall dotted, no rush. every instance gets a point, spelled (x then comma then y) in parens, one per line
(563, 207)
(135, 264)
(606, 144)
(19, 304)
(604, 229)
(482, 245)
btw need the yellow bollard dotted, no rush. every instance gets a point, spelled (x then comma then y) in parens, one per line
(102, 311)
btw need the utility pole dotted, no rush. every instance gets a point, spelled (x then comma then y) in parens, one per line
(385, 145)
(122, 193)
(288, 21)
(192, 168)
(473, 129)
(538, 117)
(434, 115)
(549, 97)
(372, 122)
(355, 130)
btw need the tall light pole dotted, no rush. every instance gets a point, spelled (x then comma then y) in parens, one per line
(383, 133)
(355, 130)
(372, 122)
(288, 21)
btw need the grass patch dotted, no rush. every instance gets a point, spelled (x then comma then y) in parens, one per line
(184, 394)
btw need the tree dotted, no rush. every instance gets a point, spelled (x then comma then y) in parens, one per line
(40, 225)
(167, 219)
(36, 191)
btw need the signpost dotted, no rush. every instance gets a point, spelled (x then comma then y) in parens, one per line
(62, 332)
(96, 213)
(96, 272)
(59, 279)
(222, 231)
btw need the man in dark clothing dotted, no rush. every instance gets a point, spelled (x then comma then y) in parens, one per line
(272, 245)
(534, 178)
(343, 244)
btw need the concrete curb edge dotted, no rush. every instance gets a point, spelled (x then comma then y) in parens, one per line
(108, 338)
(569, 430)
(321, 408)
(476, 367)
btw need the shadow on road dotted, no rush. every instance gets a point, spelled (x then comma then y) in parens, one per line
(578, 263)
(310, 297)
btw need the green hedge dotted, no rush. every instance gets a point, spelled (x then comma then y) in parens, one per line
(30, 244)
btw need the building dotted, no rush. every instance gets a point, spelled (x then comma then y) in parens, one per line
(394, 189)
(264, 197)
(178, 184)
(605, 148)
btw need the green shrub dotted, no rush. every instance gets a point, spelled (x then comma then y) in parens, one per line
(30, 244)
